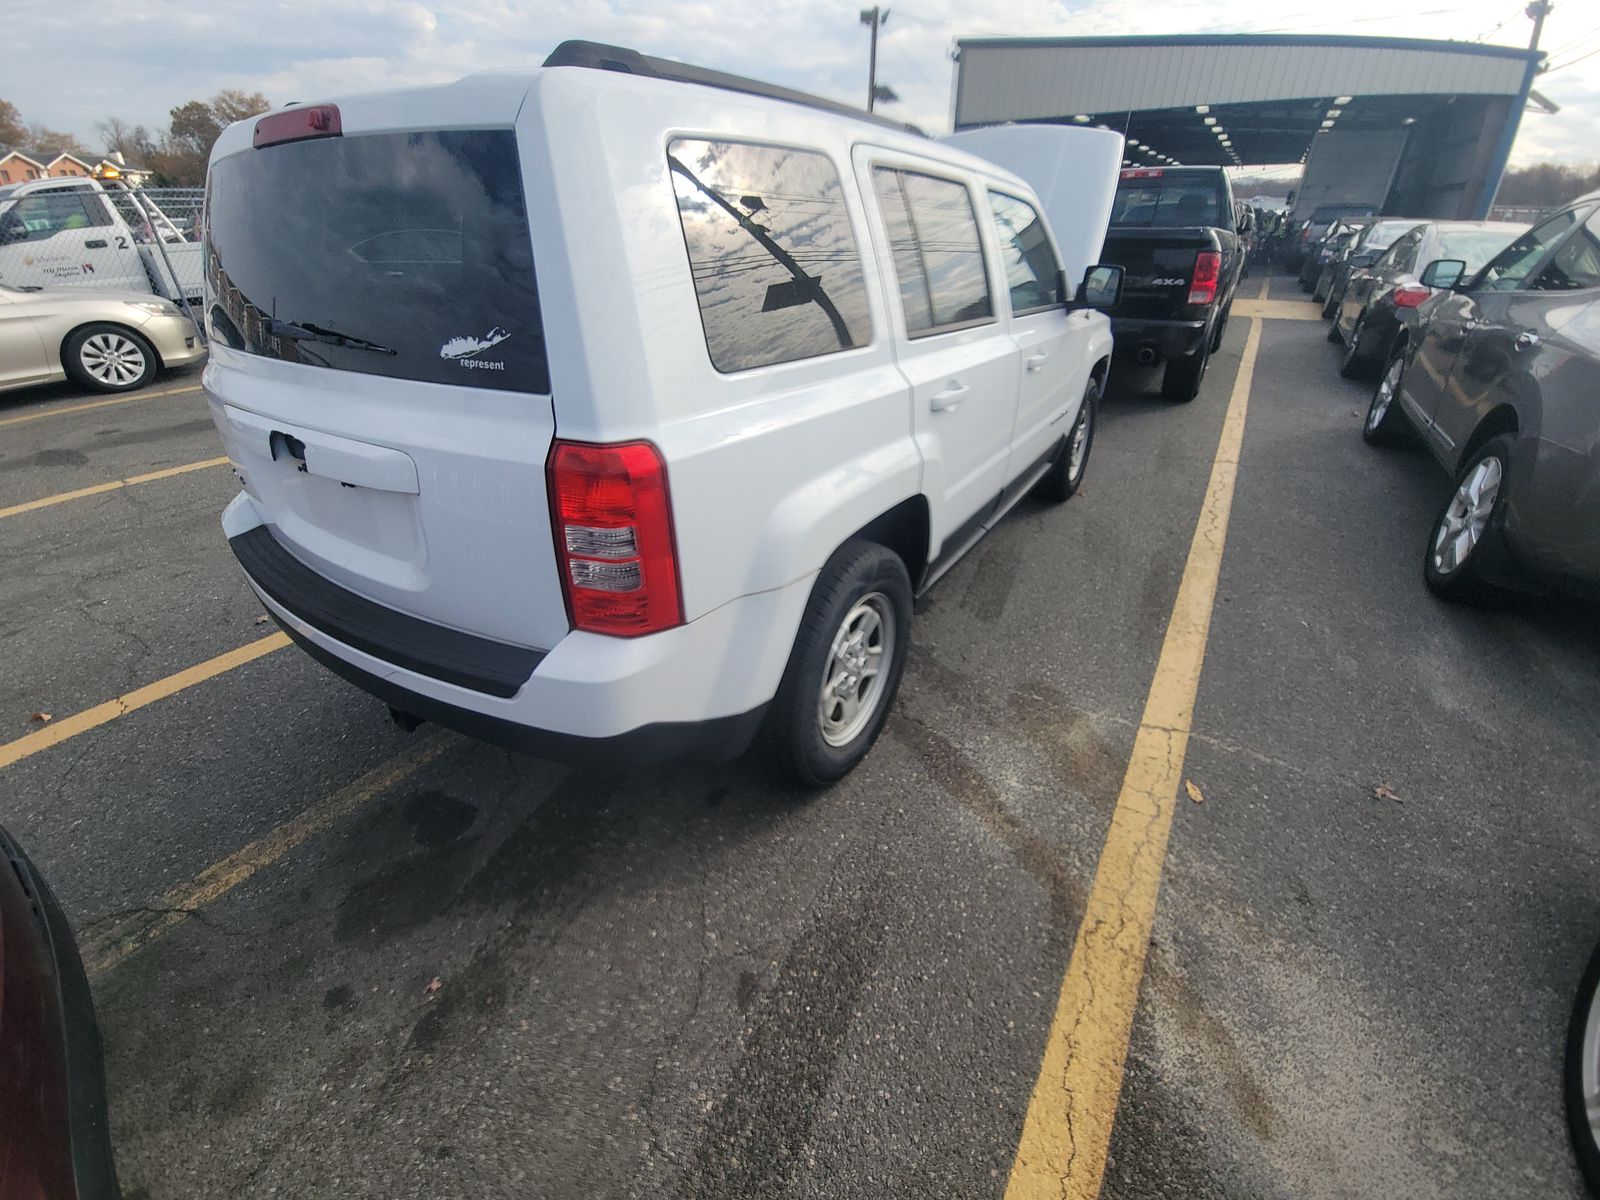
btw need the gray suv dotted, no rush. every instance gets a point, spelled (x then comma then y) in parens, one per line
(1502, 383)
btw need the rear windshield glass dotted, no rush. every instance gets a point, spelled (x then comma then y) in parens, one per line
(396, 254)
(1168, 202)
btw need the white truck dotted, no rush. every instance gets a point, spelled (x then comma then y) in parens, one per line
(76, 232)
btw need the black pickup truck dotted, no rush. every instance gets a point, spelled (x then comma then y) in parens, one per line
(1174, 235)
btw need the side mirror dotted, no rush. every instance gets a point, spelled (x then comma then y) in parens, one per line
(1101, 287)
(1443, 273)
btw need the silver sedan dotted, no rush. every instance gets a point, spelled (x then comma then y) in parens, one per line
(108, 341)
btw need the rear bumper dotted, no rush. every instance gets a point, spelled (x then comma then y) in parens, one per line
(1167, 339)
(699, 690)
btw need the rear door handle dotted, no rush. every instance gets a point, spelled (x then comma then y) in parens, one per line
(1034, 361)
(948, 398)
(96, 244)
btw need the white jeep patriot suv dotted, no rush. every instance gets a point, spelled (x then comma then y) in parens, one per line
(620, 409)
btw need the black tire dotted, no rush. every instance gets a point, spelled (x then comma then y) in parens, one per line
(1180, 382)
(1062, 481)
(1334, 335)
(793, 730)
(1330, 306)
(1584, 1145)
(1317, 294)
(1464, 581)
(109, 358)
(1355, 364)
(1385, 424)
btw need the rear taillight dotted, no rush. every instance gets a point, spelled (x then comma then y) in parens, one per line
(613, 535)
(1410, 295)
(1203, 283)
(1305, 235)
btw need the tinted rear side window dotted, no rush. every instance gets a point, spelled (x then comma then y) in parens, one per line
(396, 254)
(776, 267)
(1169, 201)
(938, 253)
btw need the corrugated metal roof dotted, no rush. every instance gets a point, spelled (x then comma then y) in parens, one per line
(1026, 79)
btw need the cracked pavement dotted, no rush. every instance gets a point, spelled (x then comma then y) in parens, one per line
(691, 982)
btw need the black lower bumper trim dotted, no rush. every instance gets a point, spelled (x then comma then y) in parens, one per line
(1169, 339)
(464, 659)
(719, 739)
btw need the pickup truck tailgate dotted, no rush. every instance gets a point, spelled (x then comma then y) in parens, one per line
(1157, 267)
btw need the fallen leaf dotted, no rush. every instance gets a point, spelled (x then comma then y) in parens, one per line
(1193, 789)
(41, 717)
(263, 619)
(1384, 792)
(434, 985)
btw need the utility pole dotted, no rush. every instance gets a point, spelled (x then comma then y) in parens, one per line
(1538, 11)
(875, 17)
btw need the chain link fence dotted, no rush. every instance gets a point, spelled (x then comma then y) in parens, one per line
(79, 234)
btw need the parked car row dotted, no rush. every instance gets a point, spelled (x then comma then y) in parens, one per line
(1484, 338)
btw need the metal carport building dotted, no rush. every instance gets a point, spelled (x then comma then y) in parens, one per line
(1451, 108)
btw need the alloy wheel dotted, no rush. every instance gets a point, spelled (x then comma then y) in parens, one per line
(1467, 515)
(1078, 447)
(1384, 396)
(857, 669)
(112, 359)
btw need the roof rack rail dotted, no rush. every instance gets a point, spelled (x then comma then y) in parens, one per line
(601, 57)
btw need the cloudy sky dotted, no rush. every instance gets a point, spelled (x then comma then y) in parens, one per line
(75, 63)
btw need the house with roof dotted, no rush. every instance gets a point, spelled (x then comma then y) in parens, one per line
(18, 166)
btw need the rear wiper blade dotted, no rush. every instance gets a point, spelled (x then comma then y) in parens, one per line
(305, 331)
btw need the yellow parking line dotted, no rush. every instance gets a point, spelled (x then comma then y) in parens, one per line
(1278, 310)
(1062, 1151)
(1262, 294)
(217, 880)
(98, 488)
(63, 410)
(59, 731)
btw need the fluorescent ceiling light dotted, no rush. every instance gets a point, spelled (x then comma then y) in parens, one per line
(1341, 99)
(1210, 120)
(1081, 119)
(1334, 112)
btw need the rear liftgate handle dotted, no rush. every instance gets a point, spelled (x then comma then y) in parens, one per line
(948, 398)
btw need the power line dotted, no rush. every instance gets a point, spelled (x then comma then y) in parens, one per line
(1572, 62)
(1575, 42)
(1515, 13)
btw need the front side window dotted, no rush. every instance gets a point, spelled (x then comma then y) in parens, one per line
(46, 214)
(1033, 273)
(938, 253)
(405, 255)
(1509, 269)
(1576, 266)
(777, 270)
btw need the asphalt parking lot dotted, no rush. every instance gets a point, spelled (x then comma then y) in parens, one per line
(334, 959)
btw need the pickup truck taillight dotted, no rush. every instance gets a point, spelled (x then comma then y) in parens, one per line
(1207, 273)
(1410, 295)
(613, 537)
